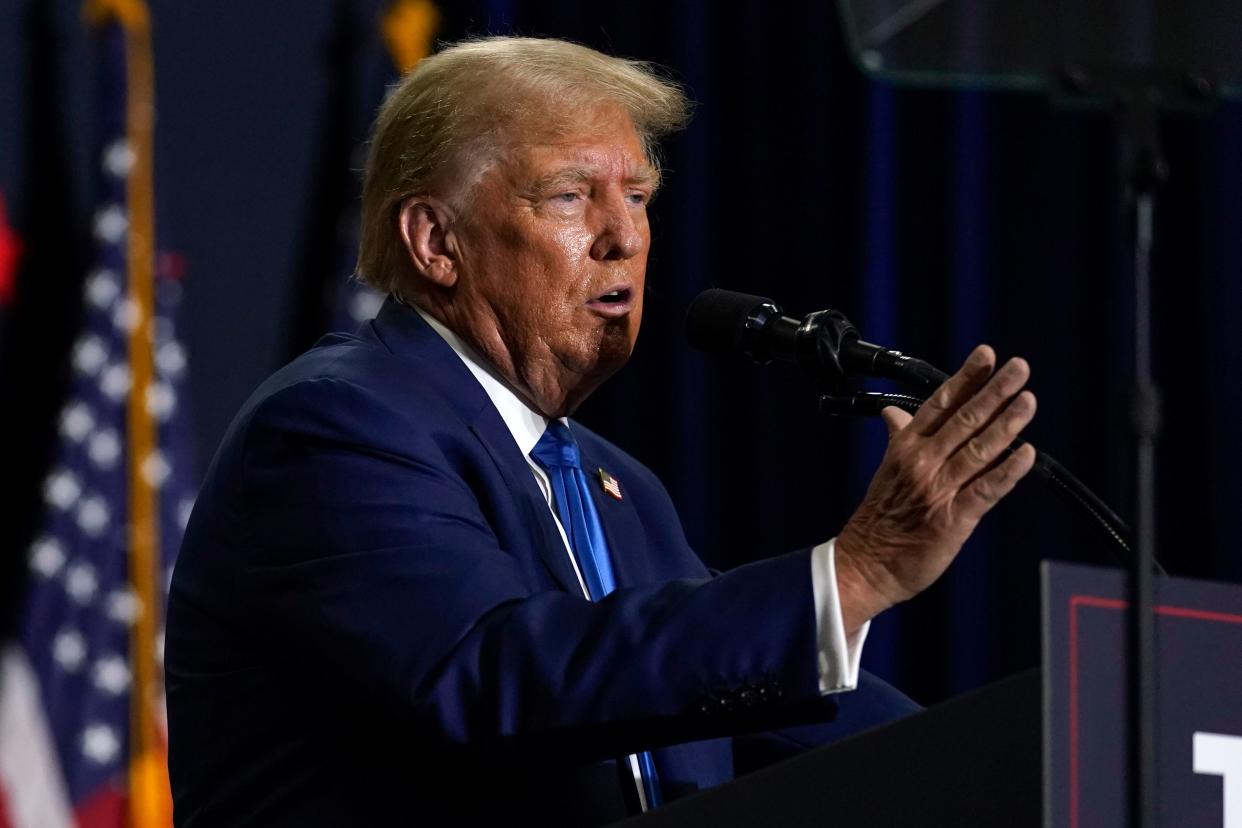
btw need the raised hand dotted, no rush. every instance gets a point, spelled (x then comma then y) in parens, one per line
(943, 470)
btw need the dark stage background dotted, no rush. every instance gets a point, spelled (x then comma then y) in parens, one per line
(935, 220)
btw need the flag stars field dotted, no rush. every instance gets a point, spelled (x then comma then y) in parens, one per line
(99, 744)
(124, 607)
(102, 288)
(365, 304)
(118, 158)
(116, 381)
(47, 557)
(184, 510)
(104, 448)
(161, 400)
(93, 515)
(69, 650)
(111, 675)
(111, 223)
(62, 489)
(126, 315)
(81, 583)
(170, 359)
(77, 421)
(89, 355)
(155, 469)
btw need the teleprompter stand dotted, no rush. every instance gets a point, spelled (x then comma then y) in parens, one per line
(1141, 58)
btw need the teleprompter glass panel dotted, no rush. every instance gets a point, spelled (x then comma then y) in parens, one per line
(1025, 44)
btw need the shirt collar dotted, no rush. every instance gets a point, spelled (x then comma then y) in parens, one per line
(524, 423)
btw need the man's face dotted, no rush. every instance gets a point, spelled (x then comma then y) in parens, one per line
(552, 254)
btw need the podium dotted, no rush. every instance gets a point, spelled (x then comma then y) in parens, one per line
(1041, 748)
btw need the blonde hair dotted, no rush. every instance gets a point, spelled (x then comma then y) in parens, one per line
(442, 124)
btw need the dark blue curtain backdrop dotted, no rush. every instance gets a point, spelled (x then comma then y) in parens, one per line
(934, 219)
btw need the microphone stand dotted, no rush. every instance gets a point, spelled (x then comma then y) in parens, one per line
(1145, 170)
(1139, 97)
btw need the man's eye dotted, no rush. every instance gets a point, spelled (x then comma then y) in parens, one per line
(638, 199)
(567, 198)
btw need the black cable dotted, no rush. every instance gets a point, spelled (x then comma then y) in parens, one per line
(1059, 480)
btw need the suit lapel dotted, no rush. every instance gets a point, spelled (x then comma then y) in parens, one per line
(496, 439)
(404, 333)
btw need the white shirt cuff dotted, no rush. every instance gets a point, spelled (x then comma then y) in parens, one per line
(838, 656)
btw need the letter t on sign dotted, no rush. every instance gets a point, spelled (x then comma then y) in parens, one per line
(1221, 755)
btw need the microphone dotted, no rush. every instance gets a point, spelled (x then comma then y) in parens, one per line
(824, 343)
(828, 346)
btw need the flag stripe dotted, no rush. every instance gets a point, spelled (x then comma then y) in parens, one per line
(106, 808)
(34, 791)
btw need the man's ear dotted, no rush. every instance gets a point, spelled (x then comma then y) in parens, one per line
(424, 225)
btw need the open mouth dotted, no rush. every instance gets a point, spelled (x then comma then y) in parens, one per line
(614, 303)
(615, 297)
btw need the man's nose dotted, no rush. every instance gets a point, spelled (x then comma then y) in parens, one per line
(619, 236)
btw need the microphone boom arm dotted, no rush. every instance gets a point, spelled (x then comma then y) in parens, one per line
(1058, 479)
(827, 346)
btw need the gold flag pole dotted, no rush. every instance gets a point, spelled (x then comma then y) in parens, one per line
(150, 800)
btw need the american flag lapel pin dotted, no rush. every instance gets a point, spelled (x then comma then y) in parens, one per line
(609, 483)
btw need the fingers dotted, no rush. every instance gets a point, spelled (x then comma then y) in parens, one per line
(955, 391)
(981, 449)
(895, 419)
(975, 413)
(982, 494)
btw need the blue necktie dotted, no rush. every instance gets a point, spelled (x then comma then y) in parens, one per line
(557, 453)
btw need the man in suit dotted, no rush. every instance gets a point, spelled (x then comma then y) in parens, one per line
(413, 592)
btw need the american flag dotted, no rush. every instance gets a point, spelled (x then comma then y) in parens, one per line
(610, 484)
(408, 30)
(354, 302)
(81, 722)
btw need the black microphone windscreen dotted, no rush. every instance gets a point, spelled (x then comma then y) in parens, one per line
(716, 320)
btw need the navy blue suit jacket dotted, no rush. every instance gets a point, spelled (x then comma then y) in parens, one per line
(373, 619)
